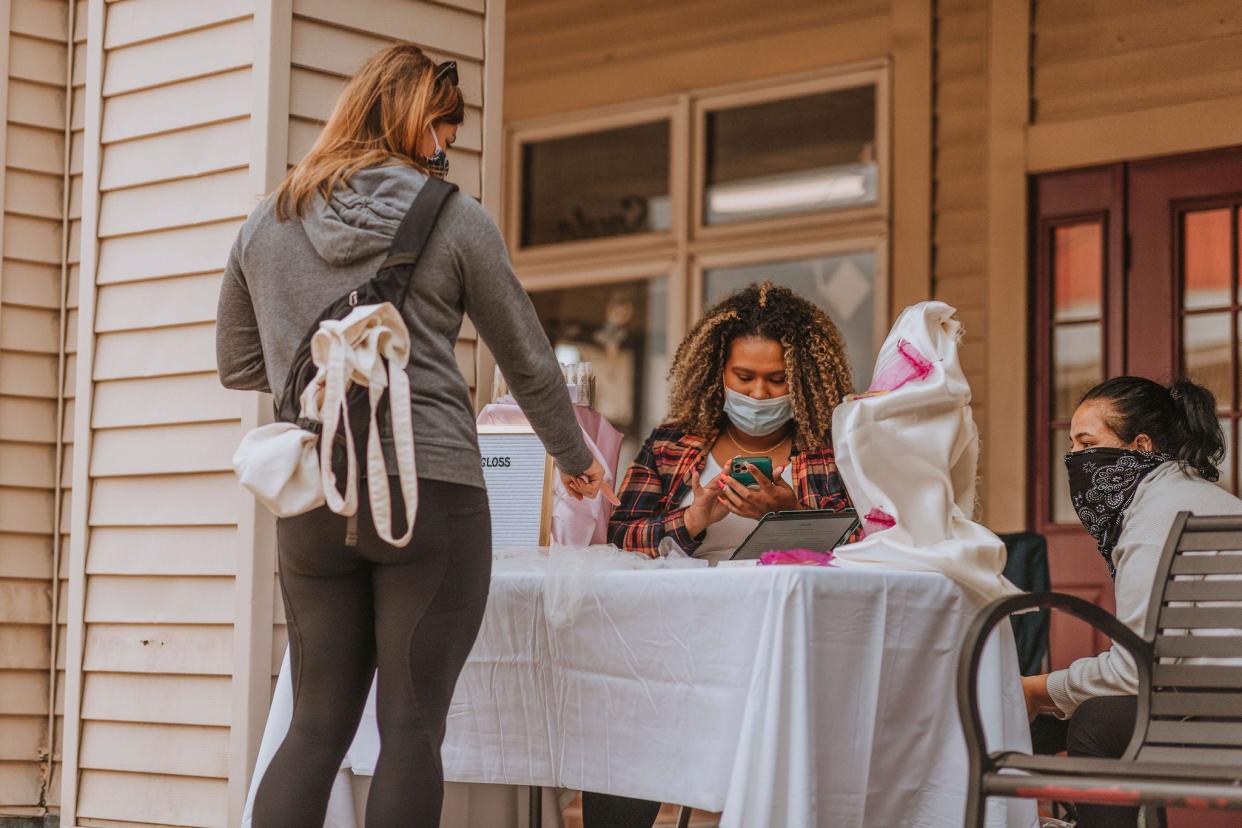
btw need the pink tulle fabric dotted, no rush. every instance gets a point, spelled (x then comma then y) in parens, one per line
(877, 520)
(907, 365)
(796, 557)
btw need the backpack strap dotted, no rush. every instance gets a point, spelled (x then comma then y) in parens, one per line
(411, 236)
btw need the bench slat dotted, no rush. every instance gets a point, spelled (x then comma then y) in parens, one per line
(1207, 565)
(1191, 646)
(1203, 591)
(1198, 675)
(1195, 618)
(1220, 734)
(1193, 756)
(1210, 542)
(1220, 705)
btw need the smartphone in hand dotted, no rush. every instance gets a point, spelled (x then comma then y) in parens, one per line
(739, 472)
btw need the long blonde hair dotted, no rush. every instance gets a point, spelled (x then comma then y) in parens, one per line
(379, 118)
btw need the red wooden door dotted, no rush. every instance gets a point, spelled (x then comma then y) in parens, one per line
(1079, 243)
(1183, 306)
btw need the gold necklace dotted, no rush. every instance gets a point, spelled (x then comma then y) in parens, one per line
(744, 447)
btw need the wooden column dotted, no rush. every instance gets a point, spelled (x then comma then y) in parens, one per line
(1005, 461)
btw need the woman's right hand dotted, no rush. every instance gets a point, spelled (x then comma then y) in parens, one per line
(709, 506)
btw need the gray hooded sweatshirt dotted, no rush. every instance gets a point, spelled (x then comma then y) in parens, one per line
(282, 274)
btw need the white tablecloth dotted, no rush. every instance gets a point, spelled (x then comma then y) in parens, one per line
(784, 696)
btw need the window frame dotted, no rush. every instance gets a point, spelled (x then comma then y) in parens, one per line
(759, 93)
(875, 244)
(682, 251)
(1059, 200)
(671, 111)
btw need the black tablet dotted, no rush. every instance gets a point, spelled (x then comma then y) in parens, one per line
(820, 530)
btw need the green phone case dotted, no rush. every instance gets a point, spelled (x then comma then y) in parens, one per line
(738, 471)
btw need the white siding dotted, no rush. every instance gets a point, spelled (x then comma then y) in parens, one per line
(174, 145)
(31, 299)
(161, 717)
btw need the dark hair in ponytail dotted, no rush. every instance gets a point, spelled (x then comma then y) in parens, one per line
(1180, 420)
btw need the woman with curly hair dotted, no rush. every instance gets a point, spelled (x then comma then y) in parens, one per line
(760, 374)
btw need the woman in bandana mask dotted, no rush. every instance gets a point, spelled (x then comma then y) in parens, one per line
(1141, 452)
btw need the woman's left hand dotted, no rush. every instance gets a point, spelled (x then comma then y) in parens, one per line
(755, 503)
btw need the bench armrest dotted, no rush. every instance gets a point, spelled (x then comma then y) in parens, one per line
(993, 614)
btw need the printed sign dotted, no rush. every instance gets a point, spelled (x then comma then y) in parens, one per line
(518, 472)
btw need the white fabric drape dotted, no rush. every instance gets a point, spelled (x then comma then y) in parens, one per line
(784, 696)
(908, 455)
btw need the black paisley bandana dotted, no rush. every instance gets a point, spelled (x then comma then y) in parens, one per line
(1102, 482)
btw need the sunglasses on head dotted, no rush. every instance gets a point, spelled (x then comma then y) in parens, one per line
(448, 69)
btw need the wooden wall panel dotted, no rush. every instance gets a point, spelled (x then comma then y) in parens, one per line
(571, 55)
(959, 200)
(1102, 57)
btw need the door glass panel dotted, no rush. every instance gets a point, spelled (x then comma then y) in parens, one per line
(621, 329)
(1206, 247)
(610, 183)
(1077, 365)
(1079, 269)
(1062, 507)
(796, 155)
(843, 285)
(1207, 342)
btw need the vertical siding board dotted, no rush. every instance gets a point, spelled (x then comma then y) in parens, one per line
(33, 91)
(92, 101)
(256, 528)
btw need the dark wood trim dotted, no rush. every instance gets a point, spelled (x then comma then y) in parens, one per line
(1062, 199)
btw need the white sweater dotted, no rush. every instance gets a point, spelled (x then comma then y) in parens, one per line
(1144, 530)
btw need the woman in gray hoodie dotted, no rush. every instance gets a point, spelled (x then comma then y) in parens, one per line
(355, 604)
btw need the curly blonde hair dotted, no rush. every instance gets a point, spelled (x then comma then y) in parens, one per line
(818, 372)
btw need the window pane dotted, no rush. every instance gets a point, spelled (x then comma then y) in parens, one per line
(843, 285)
(1206, 348)
(1205, 259)
(1062, 507)
(1078, 268)
(620, 329)
(1077, 365)
(798, 155)
(610, 183)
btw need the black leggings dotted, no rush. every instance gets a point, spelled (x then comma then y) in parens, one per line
(1100, 728)
(414, 613)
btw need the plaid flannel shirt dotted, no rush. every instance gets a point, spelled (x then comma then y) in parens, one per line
(659, 479)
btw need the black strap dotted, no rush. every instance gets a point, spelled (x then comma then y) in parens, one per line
(411, 236)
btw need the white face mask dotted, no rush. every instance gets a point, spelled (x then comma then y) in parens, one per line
(758, 418)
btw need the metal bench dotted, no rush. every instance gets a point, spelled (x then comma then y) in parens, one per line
(1186, 750)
